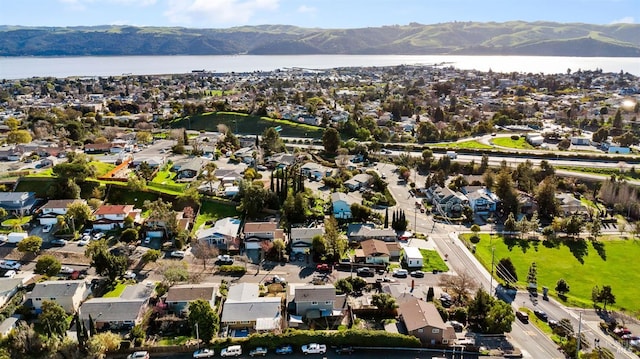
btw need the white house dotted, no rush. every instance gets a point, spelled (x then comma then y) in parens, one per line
(315, 171)
(412, 257)
(302, 238)
(67, 293)
(54, 208)
(482, 200)
(223, 234)
(341, 205)
(109, 216)
(358, 181)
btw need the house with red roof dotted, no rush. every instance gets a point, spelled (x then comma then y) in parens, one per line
(110, 216)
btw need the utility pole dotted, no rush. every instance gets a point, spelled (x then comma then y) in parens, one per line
(579, 338)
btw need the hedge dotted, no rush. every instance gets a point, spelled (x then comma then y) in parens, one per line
(353, 337)
(231, 269)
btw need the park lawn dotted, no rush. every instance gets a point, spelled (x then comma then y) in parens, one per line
(117, 291)
(582, 265)
(520, 143)
(471, 144)
(431, 260)
(213, 211)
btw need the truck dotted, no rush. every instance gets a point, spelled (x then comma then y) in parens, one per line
(452, 154)
(16, 237)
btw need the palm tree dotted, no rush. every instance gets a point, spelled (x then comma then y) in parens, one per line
(209, 176)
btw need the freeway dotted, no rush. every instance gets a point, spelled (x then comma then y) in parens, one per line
(532, 342)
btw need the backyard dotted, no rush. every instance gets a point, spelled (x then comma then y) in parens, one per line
(520, 143)
(582, 263)
(212, 211)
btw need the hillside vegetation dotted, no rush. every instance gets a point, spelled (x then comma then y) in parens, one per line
(509, 38)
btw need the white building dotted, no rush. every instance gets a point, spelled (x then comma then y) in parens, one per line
(413, 257)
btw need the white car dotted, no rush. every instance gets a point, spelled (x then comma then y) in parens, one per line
(84, 241)
(47, 228)
(314, 348)
(98, 235)
(177, 254)
(129, 275)
(204, 353)
(138, 355)
(66, 270)
(3, 238)
(10, 274)
(8, 264)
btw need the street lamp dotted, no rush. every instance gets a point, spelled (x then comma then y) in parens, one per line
(197, 336)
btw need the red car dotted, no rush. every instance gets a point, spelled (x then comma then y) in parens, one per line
(323, 267)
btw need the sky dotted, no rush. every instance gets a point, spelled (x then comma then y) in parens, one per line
(309, 13)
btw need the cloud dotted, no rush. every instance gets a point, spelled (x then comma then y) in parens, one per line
(236, 12)
(624, 20)
(307, 9)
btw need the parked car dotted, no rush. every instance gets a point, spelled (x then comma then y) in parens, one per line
(224, 259)
(365, 272)
(87, 232)
(98, 235)
(457, 326)
(204, 353)
(129, 275)
(139, 355)
(284, 349)
(10, 264)
(66, 270)
(258, 351)
(323, 267)
(83, 241)
(417, 274)
(177, 254)
(9, 274)
(314, 348)
(276, 279)
(541, 314)
(58, 242)
(400, 273)
(344, 350)
(232, 351)
(47, 228)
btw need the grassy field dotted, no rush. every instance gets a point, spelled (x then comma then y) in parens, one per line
(116, 292)
(246, 124)
(471, 144)
(520, 143)
(211, 211)
(166, 178)
(432, 260)
(582, 264)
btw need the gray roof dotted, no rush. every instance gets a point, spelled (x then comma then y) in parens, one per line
(306, 232)
(315, 293)
(261, 307)
(14, 196)
(8, 284)
(243, 292)
(339, 196)
(189, 292)
(56, 289)
(111, 309)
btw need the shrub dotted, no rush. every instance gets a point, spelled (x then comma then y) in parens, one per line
(354, 337)
(515, 137)
(231, 269)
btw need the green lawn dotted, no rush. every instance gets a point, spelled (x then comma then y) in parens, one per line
(101, 167)
(471, 144)
(431, 260)
(212, 211)
(520, 143)
(116, 292)
(581, 263)
(180, 340)
(246, 124)
(16, 221)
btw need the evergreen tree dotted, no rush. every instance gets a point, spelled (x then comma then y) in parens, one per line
(92, 327)
(532, 277)
(386, 218)
(272, 185)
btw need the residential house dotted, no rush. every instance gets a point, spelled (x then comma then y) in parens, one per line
(280, 160)
(110, 216)
(570, 205)
(118, 313)
(18, 202)
(8, 325)
(191, 169)
(151, 161)
(341, 205)
(245, 308)
(13, 154)
(482, 200)
(316, 301)
(394, 250)
(302, 238)
(527, 203)
(179, 296)
(315, 171)
(412, 257)
(373, 251)
(224, 234)
(357, 232)
(53, 208)
(229, 176)
(423, 321)
(362, 180)
(256, 232)
(446, 200)
(246, 155)
(8, 288)
(67, 293)
(96, 148)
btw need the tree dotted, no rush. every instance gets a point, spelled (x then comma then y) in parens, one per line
(331, 140)
(79, 212)
(47, 265)
(161, 214)
(151, 255)
(102, 343)
(573, 225)
(600, 135)
(511, 225)
(605, 296)
(319, 245)
(506, 192)
(343, 286)
(19, 136)
(384, 301)
(144, 137)
(53, 319)
(204, 251)
(460, 285)
(360, 213)
(31, 244)
(489, 315)
(336, 243)
(475, 229)
(254, 198)
(129, 235)
(271, 142)
(532, 277)
(174, 272)
(136, 183)
(104, 262)
(202, 315)
(595, 227)
(546, 198)
(564, 144)
(506, 270)
(562, 287)
(279, 247)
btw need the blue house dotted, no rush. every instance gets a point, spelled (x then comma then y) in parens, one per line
(341, 205)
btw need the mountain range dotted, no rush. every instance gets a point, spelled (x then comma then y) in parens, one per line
(453, 38)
